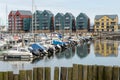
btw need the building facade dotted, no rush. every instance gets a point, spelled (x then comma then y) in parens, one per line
(11, 21)
(16, 19)
(59, 22)
(69, 23)
(47, 21)
(36, 20)
(27, 24)
(82, 23)
(106, 23)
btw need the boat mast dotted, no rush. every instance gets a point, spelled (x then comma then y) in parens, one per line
(6, 17)
(32, 16)
(35, 20)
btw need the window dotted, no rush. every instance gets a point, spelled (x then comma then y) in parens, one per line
(97, 23)
(102, 29)
(112, 29)
(102, 24)
(107, 20)
(107, 23)
(67, 18)
(113, 23)
(81, 17)
(97, 26)
(107, 26)
(102, 20)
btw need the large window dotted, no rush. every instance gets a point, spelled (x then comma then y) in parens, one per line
(107, 26)
(102, 29)
(81, 18)
(113, 23)
(97, 23)
(107, 23)
(102, 24)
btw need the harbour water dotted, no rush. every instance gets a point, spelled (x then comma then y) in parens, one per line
(101, 52)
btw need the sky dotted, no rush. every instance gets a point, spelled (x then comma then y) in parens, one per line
(89, 7)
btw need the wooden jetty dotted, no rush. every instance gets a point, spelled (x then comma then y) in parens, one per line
(77, 72)
(15, 57)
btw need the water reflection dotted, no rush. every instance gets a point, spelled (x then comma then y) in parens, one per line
(80, 50)
(35, 60)
(68, 53)
(106, 48)
(83, 50)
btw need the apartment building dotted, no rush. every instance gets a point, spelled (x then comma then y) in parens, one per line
(106, 23)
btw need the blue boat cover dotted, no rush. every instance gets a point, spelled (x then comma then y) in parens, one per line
(37, 46)
(56, 42)
(60, 36)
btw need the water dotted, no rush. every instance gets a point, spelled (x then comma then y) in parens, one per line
(93, 53)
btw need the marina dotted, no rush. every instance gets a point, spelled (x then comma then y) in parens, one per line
(85, 54)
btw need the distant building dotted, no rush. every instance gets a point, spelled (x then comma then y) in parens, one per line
(27, 24)
(36, 20)
(59, 22)
(69, 23)
(47, 21)
(106, 23)
(16, 20)
(82, 23)
(11, 21)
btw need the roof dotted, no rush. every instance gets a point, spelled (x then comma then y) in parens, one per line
(110, 16)
(25, 12)
(13, 12)
(70, 14)
(48, 12)
(60, 14)
(39, 11)
(82, 14)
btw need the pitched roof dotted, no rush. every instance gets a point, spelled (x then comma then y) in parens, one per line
(110, 16)
(48, 12)
(70, 14)
(13, 12)
(61, 14)
(39, 11)
(25, 12)
(83, 14)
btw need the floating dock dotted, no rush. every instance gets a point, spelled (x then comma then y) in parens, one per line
(15, 57)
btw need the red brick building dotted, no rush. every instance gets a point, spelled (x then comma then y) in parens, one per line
(11, 21)
(15, 20)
